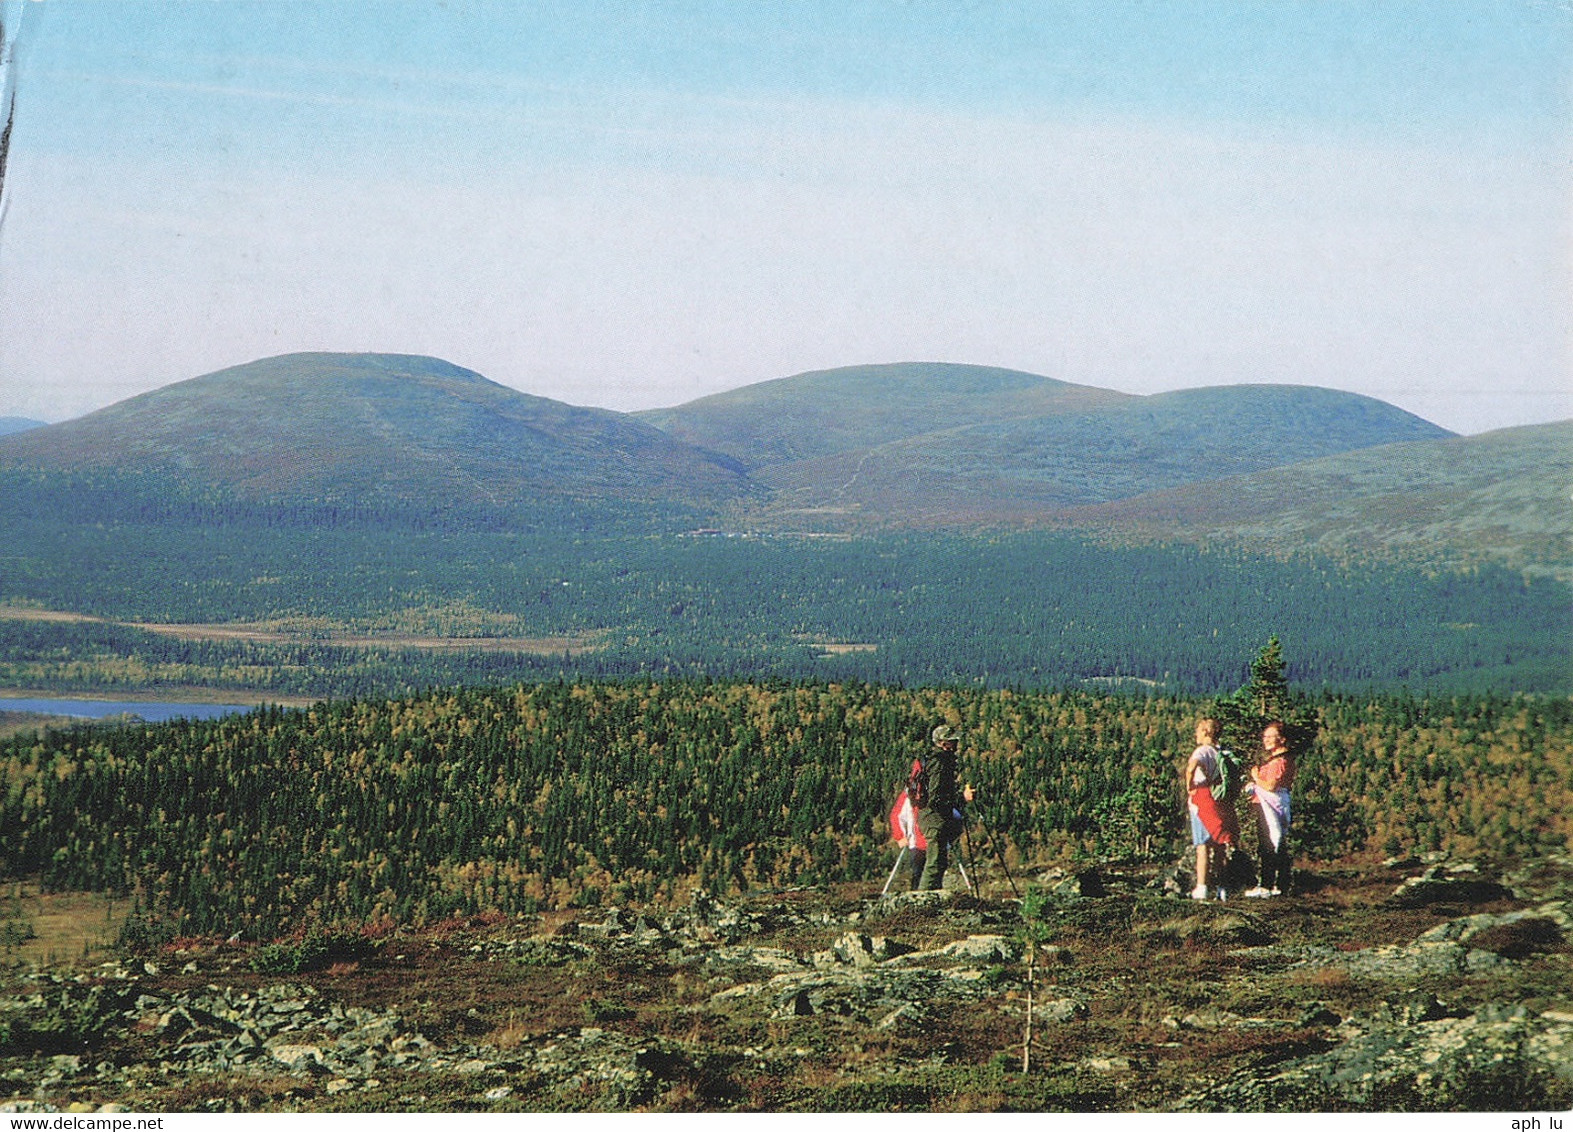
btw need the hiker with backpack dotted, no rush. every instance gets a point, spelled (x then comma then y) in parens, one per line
(1209, 787)
(1271, 778)
(934, 794)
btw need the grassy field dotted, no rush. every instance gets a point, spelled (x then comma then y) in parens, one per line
(56, 928)
(484, 637)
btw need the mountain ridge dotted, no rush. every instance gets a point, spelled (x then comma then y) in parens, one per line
(1499, 495)
(806, 415)
(917, 446)
(1076, 449)
(376, 428)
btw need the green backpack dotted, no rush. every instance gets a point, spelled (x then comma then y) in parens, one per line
(1228, 783)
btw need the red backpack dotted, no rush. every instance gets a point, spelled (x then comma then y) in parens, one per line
(918, 784)
(904, 823)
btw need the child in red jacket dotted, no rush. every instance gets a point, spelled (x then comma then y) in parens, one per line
(1214, 828)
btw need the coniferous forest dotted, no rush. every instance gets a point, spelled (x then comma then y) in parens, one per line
(568, 793)
(729, 713)
(1027, 610)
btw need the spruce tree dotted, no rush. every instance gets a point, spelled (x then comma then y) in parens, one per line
(1264, 698)
(1269, 686)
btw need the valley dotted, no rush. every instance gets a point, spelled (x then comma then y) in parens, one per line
(578, 733)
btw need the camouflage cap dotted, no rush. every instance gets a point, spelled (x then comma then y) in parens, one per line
(944, 733)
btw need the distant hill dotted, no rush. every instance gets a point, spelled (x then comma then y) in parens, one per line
(855, 408)
(376, 429)
(932, 444)
(1501, 496)
(9, 425)
(924, 446)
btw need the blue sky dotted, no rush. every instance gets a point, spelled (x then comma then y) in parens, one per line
(634, 204)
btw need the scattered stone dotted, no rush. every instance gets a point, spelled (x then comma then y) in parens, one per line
(1108, 1064)
(1445, 949)
(295, 1055)
(1512, 934)
(981, 949)
(771, 958)
(1448, 884)
(1412, 1051)
(1061, 1010)
(1086, 883)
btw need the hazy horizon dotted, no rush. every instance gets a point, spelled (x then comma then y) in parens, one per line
(631, 205)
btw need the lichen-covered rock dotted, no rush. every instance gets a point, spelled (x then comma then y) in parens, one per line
(1058, 1010)
(1453, 884)
(1496, 1059)
(1450, 949)
(1230, 929)
(981, 949)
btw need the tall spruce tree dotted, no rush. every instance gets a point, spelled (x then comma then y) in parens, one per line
(1264, 698)
(1269, 686)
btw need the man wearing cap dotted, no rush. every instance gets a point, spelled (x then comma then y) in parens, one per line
(939, 803)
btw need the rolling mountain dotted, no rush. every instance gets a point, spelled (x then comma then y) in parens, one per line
(376, 429)
(923, 446)
(1501, 496)
(856, 408)
(399, 499)
(9, 425)
(931, 444)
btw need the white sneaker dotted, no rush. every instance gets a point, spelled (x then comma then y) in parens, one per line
(1199, 892)
(1223, 894)
(1275, 892)
(1257, 893)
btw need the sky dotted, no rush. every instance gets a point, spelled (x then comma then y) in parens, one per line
(631, 205)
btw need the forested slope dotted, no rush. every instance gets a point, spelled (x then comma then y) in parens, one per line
(1497, 497)
(1034, 610)
(569, 793)
(384, 431)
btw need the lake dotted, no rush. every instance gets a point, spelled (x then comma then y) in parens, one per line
(98, 709)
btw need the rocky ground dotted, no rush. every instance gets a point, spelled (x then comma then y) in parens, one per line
(1413, 985)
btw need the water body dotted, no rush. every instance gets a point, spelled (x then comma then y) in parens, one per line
(99, 709)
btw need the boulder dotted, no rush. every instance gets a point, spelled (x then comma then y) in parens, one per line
(981, 949)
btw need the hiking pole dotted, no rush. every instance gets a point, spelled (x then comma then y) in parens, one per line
(972, 888)
(963, 855)
(901, 856)
(1000, 857)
